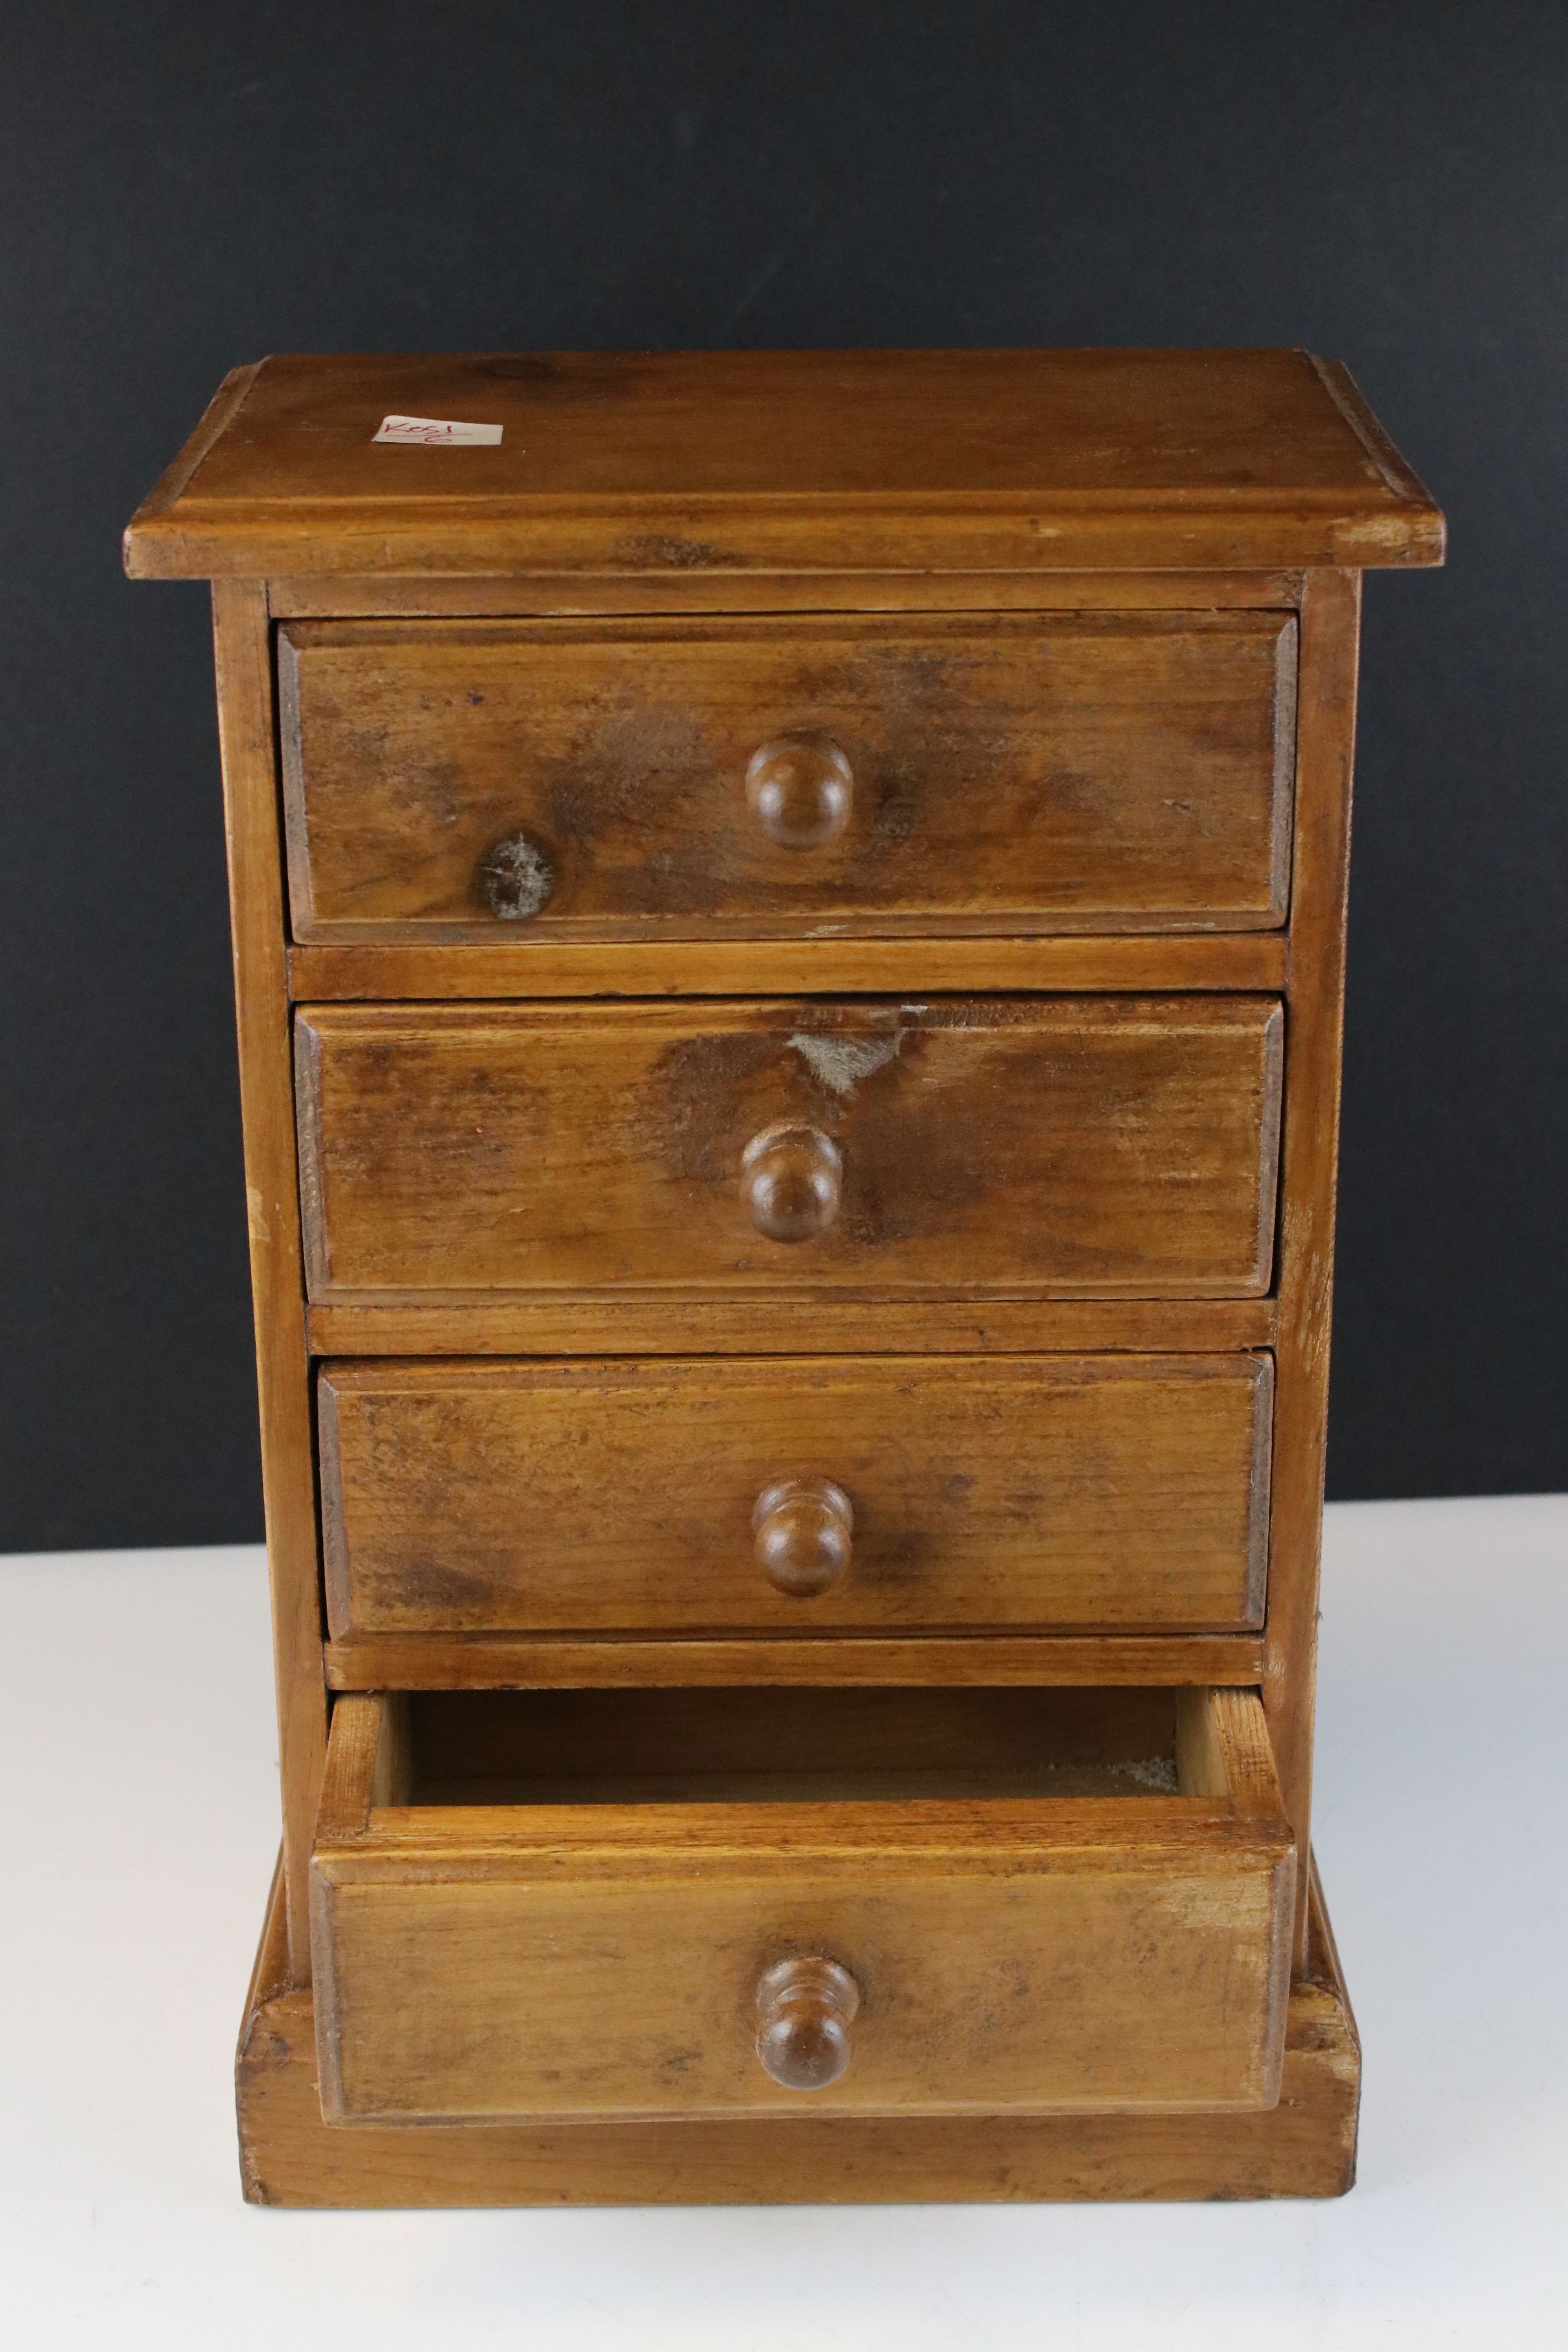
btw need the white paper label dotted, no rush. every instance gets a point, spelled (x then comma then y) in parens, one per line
(439, 430)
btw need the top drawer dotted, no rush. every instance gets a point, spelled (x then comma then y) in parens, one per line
(476, 780)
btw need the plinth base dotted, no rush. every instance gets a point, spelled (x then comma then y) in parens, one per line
(1303, 2147)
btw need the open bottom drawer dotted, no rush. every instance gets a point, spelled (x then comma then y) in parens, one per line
(729, 1902)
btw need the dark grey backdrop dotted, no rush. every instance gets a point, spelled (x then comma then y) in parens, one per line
(183, 187)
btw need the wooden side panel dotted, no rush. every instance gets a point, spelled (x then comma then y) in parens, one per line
(256, 902)
(1128, 1492)
(1119, 1147)
(1330, 623)
(1005, 772)
(354, 1758)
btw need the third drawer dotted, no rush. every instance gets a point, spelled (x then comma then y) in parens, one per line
(779, 1495)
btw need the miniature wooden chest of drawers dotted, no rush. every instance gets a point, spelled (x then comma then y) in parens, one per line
(789, 929)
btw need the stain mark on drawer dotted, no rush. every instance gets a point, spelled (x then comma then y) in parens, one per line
(840, 1063)
(662, 549)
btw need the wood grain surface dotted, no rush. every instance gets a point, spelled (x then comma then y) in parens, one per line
(1330, 636)
(858, 460)
(543, 965)
(1022, 1952)
(800, 869)
(522, 594)
(695, 1661)
(248, 748)
(565, 1325)
(1081, 1146)
(1304, 2147)
(997, 771)
(1126, 1491)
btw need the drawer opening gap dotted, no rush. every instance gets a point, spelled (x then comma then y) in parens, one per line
(793, 1745)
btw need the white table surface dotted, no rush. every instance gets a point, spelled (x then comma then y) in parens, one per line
(141, 1791)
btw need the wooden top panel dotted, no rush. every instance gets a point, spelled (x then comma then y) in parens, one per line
(821, 460)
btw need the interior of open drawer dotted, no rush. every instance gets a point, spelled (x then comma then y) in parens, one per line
(790, 1745)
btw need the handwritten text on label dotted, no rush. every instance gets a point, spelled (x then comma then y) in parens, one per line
(438, 431)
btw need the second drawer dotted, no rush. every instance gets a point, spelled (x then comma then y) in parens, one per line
(878, 1493)
(979, 1147)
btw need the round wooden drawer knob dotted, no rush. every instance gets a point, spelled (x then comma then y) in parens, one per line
(804, 2010)
(800, 789)
(803, 1528)
(792, 1178)
(516, 878)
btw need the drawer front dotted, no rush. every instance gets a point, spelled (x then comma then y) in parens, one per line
(1082, 1147)
(477, 1959)
(479, 780)
(770, 1496)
